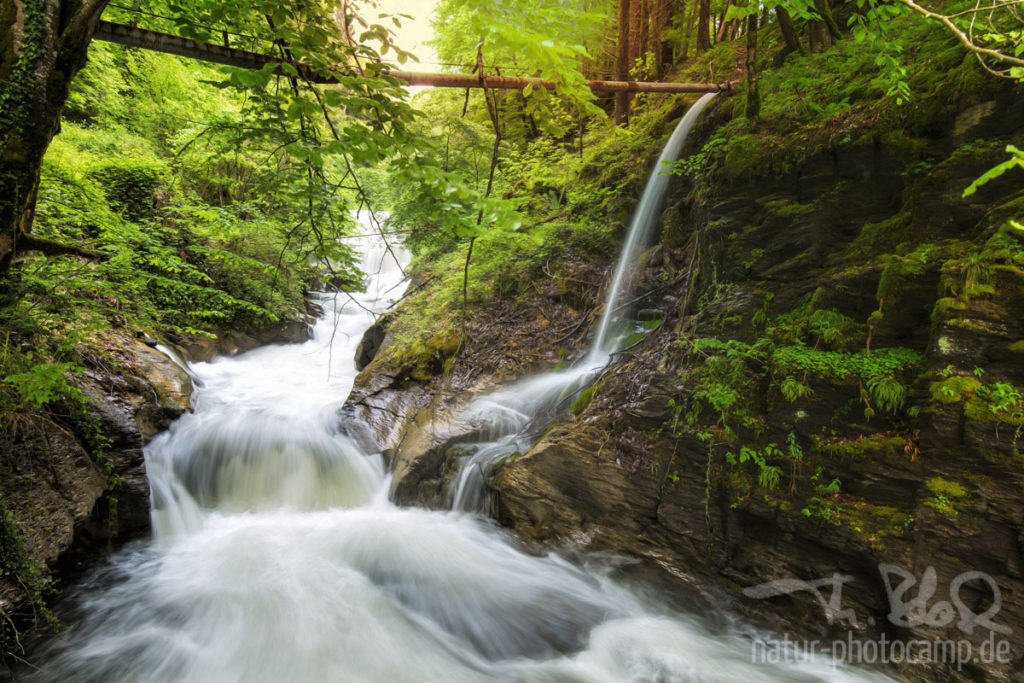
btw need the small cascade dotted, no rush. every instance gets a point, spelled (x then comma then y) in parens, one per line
(514, 416)
(240, 452)
(512, 419)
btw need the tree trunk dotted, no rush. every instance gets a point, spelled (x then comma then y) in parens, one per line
(635, 46)
(789, 33)
(753, 94)
(818, 36)
(704, 26)
(662, 48)
(43, 45)
(724, 27)
(622, 63)
(825, 10)
(644, 38)
(686, 26)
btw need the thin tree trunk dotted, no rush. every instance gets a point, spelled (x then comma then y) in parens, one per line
(753, 94)
(690, 19)
(704, 26)
(635, 46)
(724, 25)
(622, 64)
(825, 10)
(644, 39)
(789, 33)
(42, 46)
(662, 48)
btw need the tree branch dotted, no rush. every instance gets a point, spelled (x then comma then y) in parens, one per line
(27, 242)
(963, 37)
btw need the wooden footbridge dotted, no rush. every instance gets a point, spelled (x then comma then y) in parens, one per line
(218, 54)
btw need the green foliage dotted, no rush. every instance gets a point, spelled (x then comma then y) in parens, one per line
(886, 392)
(862, 365)
(831, 326)
(768, 475)
(831, 489)
(42, 384)
(546, 39)
(794, 390)
(1016, 160)
(822, 507)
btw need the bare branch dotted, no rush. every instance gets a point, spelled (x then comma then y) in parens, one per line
(965, 39)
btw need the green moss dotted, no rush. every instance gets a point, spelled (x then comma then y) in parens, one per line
(583, 400)
(945, 307)
(945, 495)
(1017, 346)
(785, 207)
(879, 445)
(944, 487)
(744, 155)
(422, 358)
(954, 389)
(872, 523)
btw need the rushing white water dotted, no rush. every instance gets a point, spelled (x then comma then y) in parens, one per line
(277, 557)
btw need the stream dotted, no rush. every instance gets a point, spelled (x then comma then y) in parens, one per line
(277, 556)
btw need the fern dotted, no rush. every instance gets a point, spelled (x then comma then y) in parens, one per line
(886, 393)
(793, 390)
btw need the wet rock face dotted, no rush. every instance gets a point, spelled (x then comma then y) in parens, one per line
(231, 343)
(934, 493)
(70, 507)
(371, 342)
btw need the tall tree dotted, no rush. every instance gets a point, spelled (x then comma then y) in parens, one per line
(662, 48)
(704, 25)
(789, 34)
(686, 25)
(635, 17)
(753, 104)
(622, 63)
(43, 45)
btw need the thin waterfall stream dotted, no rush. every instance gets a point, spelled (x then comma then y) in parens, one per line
(513, 416)
(277, 556)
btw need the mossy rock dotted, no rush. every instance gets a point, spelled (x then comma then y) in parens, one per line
(954, 389)
(745, 155)
(583, 400)
(879, 445)
(946, 494)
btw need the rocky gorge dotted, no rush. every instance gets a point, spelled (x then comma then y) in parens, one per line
(808, 406)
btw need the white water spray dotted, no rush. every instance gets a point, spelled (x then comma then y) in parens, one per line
(277, 557)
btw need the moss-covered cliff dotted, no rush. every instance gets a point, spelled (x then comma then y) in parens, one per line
(837, 381)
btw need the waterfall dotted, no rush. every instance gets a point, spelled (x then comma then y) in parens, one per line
(510, 413)
(645, 217)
